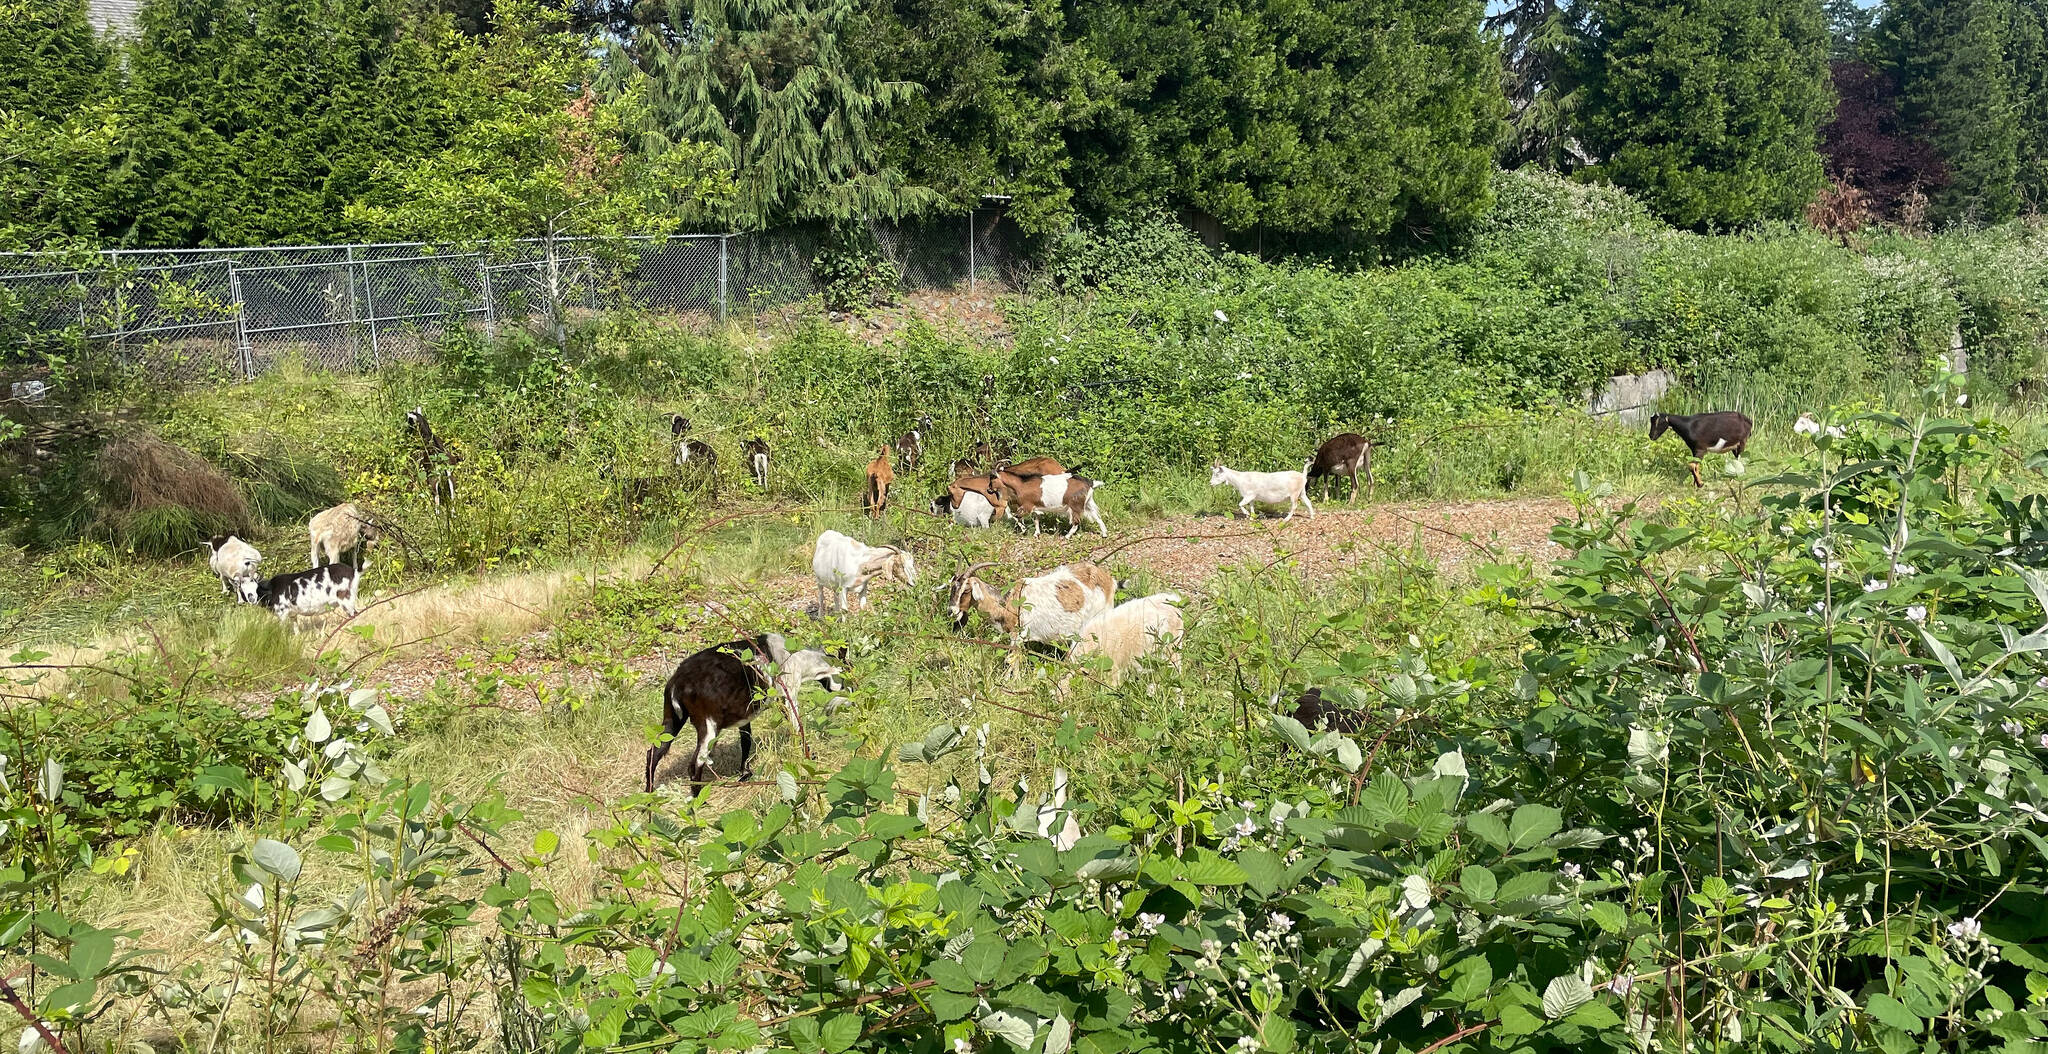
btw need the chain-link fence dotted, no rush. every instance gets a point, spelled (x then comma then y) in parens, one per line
(193, 314)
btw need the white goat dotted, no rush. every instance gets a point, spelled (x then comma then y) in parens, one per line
(1271, 488)
(339, 530)
(1050, 607)
(1132, 630)
(842, 565)
(973, 510)
(235, 561)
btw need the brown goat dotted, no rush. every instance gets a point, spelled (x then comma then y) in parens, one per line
(721, 687)
(1033, 496)
(1343, 455)
(1034, 466)
(1719, 432)
(880, 475)
(910, 446)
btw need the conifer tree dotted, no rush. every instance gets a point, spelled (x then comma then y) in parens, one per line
(1710, 110)
(57, 124)
(1971, 72)
(770, 83)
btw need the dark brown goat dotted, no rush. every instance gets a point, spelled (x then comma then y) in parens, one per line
(435, 457)
(1316, 715)
(722, 686)
(1719, 432)
(1343, 455)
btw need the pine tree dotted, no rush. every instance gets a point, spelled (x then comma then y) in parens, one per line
(58, 123)
(1537, 39)
(1710, 110)
(1971, 74)
(1361, 117)
(769, 82)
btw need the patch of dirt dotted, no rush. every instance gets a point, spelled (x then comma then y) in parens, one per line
(956, 314)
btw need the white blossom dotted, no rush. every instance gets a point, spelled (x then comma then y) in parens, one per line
(1279, 922)
(1917, 612)
(1872, 586)
(1962, 398)
(1148, 922)
(961, 1046)
(1571, 872)
(1621, 984)
(1968, 929)
(1054, 360)
(2011, 728)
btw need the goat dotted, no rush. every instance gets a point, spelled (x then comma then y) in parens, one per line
(1316, 714)
(876, 498)
(756, 450)
(436, 458)
(1045, 608)
(721, 687)
(1722, 431)
(310, 592)
(1132, 630)
(693, 452)
(910, 446)
(1343, 455)
(964, 466)
(842, 565)
(1269, 487)
(972, 509)
(341, 529)
(1032, 466)
(235, 561)
(1065, 492)
(633, 491)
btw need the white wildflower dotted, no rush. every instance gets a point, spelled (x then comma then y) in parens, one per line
(1872, 586)
(2011, 728)
(1621, 984)
(961, 1046)
(1916, 612)
(1245, 828)
(1148, 922)
(2044, 741)
(1118, 935)
(1279, 922)
(1905, 570)
(1246, 1043)
(1967, 930)
(1571, 872)
(1220, 316)
(1962, 398)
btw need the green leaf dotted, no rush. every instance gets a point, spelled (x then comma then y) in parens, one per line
(1565, 994)
(1608, 915)
(276, 858)
(318, 728)
(1205, 868)
(1478, 883)
(1488, 828)
(1893, 1013)
(1516, 1020)
(983, 958)
(1059, 1036)
(335, 788)
(545, 842)
(1532, 824)
(416, 799)
(1014, 1030)
(1292, 731)
(841, 1031)
(1263, 871)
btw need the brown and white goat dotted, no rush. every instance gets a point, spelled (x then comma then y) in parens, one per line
(1044, 608)
(722, 687)
(1343, 455)
(1719, 432)
(235, 562)
(1062, 493)
(1032, 466)
(880, 476)
(1132, 630)
(910, 445)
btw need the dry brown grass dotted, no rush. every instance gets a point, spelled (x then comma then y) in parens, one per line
(142, 472)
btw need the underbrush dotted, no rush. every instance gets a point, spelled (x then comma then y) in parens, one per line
(1763, 773)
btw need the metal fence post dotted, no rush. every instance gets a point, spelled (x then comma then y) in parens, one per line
(483, 266)
(723, 239)
(355, 313)
(241, 324)
(970, 250)
(370, 310)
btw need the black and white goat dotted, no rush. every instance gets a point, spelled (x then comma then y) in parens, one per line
(1718, 432)
(722, 686)
(756, 450)
(693, 453)
(910, 445)
(435, 457)
(312, 592)
(235, 561)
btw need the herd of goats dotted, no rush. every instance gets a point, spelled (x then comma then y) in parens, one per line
(1073, 606)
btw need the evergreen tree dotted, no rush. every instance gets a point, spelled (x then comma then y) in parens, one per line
(770, 83)
(1971, 73)
(1710, 109)
(258, 121)
(1364, 117)
(1537, 40)
(57, 124)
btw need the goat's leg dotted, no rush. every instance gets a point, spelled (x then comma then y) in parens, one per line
(700, 759)
(1696, 473)
(313, 555)
(1244, 508)
(747, 752)
(1305, 503)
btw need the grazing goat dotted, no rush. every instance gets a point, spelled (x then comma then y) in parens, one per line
(694, 452)
(721, 687)
(1132, 630)
(341, 529)
(436, 458)
(842, 565)
(972, 509)
(1063, 493)
(756, 450)
(1271, 488)
(880, 475)
(1343, 455)
(1722, 431)
(235, 561)
(910, 446)
(310, 592)
(1046, 608)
